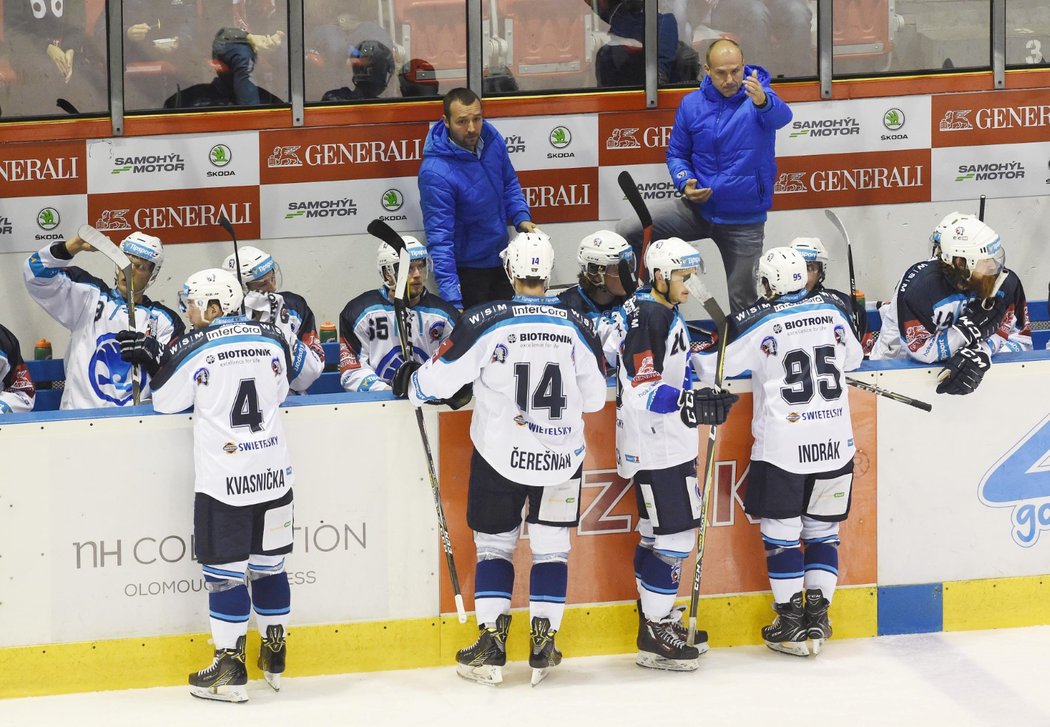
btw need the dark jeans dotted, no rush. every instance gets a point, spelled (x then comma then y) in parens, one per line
(482, 285)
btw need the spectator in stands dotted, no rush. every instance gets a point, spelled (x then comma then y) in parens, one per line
(162, 30)
(372, 65)
(773, 29)
(721, 157)
(418, 79)
(621, 61)
(469, 192)
(335, 29)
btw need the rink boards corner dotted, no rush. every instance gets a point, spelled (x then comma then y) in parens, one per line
(948, 531)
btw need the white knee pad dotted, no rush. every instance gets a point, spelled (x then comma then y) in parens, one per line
(672, 548)
(496, 547)
(261, 566)
(784, 533)
(550, 543)
(818, 531)
(226, 576)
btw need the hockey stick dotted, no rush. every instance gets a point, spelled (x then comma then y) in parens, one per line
(849, 261)
(719, 317)
(878, 390)
(104, 245)
(980, 208)
(630, 191)
(384, 232)
(236, 253)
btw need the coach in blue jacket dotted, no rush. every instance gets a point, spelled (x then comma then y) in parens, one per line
(469, 193)
(722, 160)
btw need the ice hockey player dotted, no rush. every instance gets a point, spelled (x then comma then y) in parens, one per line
(536, 368)
(606, 279)
(798, 346)
(816, 257)
(369, 352)
(17, 393)
(959, 309)
(657, 413)
(94, 312)
(242, 510)
(289, 311)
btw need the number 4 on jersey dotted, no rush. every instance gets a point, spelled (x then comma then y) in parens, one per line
(245, 411)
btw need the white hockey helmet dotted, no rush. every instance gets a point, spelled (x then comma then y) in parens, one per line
(783, 270)
(812, 249)
(208, 285)
(601, 250)
(387, 258)
(147, 247)
(669, 255)
(255, 264)
(966, 237)
(529, 255)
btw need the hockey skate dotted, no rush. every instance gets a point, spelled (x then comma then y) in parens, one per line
(817, 621)
(788, 632)
(661, 647)
(272, 653)
(543, 654)
(226, 678)
(680, 629)
(483, 661)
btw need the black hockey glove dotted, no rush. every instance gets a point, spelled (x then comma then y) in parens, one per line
(705, 406)
(461, 398)
(978, 323)
(403, 378)
(146, 351)
(962, 373)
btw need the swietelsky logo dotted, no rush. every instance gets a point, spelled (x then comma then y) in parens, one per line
(1021, 480)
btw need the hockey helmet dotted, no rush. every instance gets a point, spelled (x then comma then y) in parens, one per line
(782, 270)
(372, 63)
(147, 247)
(965, 237)
(255, 265)
(529, 255)
(601, 250)
(387, 259)
(418, 79)
(813, 251)
(669, 255)
(208, 285)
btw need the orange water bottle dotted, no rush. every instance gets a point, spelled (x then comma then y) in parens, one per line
(42, 350)
(327, 332)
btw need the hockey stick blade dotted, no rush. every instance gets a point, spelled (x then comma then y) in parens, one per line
(634, 197)
(386, 233)
(879, 391)
(104, 245)
(225, 224)
(830, 214)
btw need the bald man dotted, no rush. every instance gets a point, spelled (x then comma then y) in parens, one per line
(722, 161)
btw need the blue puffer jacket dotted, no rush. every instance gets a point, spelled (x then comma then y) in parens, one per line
(727, 144)
(467, 204)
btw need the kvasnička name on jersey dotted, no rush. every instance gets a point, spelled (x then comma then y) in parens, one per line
(269, 479)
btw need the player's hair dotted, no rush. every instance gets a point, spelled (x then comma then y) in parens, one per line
(464, 95)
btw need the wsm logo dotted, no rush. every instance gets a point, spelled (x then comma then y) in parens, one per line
(1021, 480)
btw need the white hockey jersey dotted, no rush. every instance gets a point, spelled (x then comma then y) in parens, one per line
(369, 348)
(93, 312)
(798, 350)
(290, 313)
(235, 374)
(653, 371)
(536, 369)
(607, 322)
(17, 393)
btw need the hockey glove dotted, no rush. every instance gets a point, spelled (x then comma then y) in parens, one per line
(705, 406)
(146, 351)
(860, 317)
(403, 378)
(461, 398)
(962, 373)
(978, 323)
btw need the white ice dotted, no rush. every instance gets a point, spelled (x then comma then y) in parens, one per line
(961, 678)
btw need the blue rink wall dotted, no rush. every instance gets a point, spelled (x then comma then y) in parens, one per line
(100, 591)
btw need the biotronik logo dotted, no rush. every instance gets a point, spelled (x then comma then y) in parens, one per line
(1021, 480)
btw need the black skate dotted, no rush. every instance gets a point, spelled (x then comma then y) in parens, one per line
(543, 654)
(788, 632)
(660, 646)
(484, 660)
(272, 653)
(680, 629)
(226, 678)
(817, 621)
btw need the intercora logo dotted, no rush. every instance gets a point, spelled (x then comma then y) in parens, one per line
(48, 218)
(1020, 480)
(284, 156)
(992, 171)
(825, 127)
(392, 200)
(148, 164)
(321, 208)
(956, 120)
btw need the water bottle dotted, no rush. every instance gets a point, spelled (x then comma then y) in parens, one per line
(328, 332)
(42, 350)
